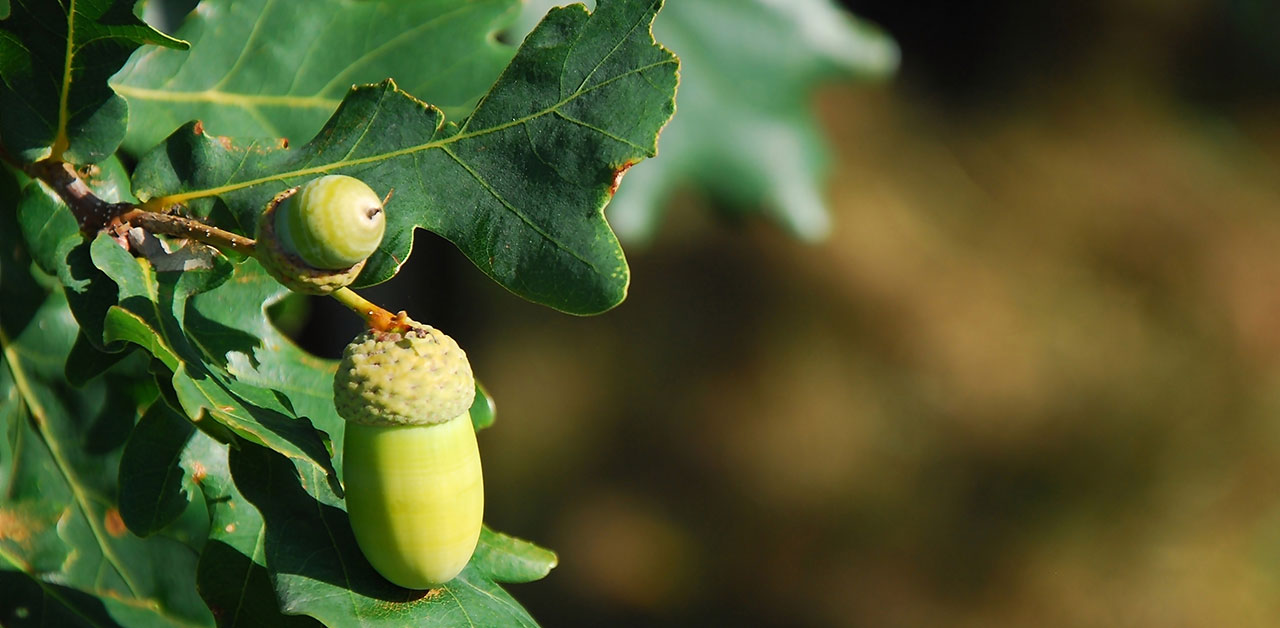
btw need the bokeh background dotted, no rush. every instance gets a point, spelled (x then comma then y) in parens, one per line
(1031, 377)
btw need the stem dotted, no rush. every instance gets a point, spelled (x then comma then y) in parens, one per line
(174, 225)
(376, 317)
(94, 214)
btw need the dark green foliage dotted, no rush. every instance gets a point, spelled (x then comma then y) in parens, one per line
(169, 457)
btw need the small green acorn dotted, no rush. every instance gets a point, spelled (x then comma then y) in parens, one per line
(315, 238)
(411, 463)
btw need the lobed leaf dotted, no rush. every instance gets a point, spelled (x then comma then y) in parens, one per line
(232, 575)
(519, 186)
(64, 541)
(55, 59)
(318, 569)
(504, 558)
(746, 132)
(301, 516)
(484, 411)
(151, 313)
(259, 68)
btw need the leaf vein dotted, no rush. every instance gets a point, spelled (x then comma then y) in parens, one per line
(621, 40)
(514, 210)
(326, 167)
(603, 132)
(248, 45)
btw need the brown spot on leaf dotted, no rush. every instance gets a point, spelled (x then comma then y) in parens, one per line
(14, 527)
(114, 523)
(198, 472)
(198, 127)
(225, 141)
(415, 597)
(617, 177)
(283, 142)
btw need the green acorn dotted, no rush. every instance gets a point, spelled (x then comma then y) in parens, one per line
(411, 464)
(315, 238)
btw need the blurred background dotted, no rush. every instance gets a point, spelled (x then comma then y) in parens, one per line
(1029, 377)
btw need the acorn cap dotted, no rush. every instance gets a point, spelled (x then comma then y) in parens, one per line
(418, 377)
(287, 267)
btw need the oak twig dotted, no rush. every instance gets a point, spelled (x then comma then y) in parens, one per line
(174, 225)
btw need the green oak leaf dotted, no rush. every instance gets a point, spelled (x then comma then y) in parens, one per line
(64, 543)
(50, 232)
(151, 313)
(232, 329)
(318, 569)
(303, 516)
(15, 268)
(746, 132)
(504, 558)
(259, 68)
(87, 361)
(155, 488)
(55, 59)
(519, 186)
(232, 575)
(484, 411)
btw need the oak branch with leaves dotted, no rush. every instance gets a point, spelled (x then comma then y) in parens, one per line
(168, 457)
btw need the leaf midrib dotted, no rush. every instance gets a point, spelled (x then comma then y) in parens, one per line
(60, 140)
(168, 200)
(245, 100)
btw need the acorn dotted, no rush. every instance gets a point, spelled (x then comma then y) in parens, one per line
(315, 238)
(411, 463)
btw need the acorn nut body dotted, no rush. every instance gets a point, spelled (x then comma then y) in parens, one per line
(411, 465)
(315, 238)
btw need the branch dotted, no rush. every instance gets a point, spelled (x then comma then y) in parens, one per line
(174, 225)
(94, 214)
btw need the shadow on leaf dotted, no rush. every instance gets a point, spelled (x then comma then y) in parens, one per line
(305, 537)
(217, 339)
(239, 591)
(26, 602)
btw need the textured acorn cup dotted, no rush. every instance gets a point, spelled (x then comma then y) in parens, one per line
(411, 464)
(413, 378)
(315, 238)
